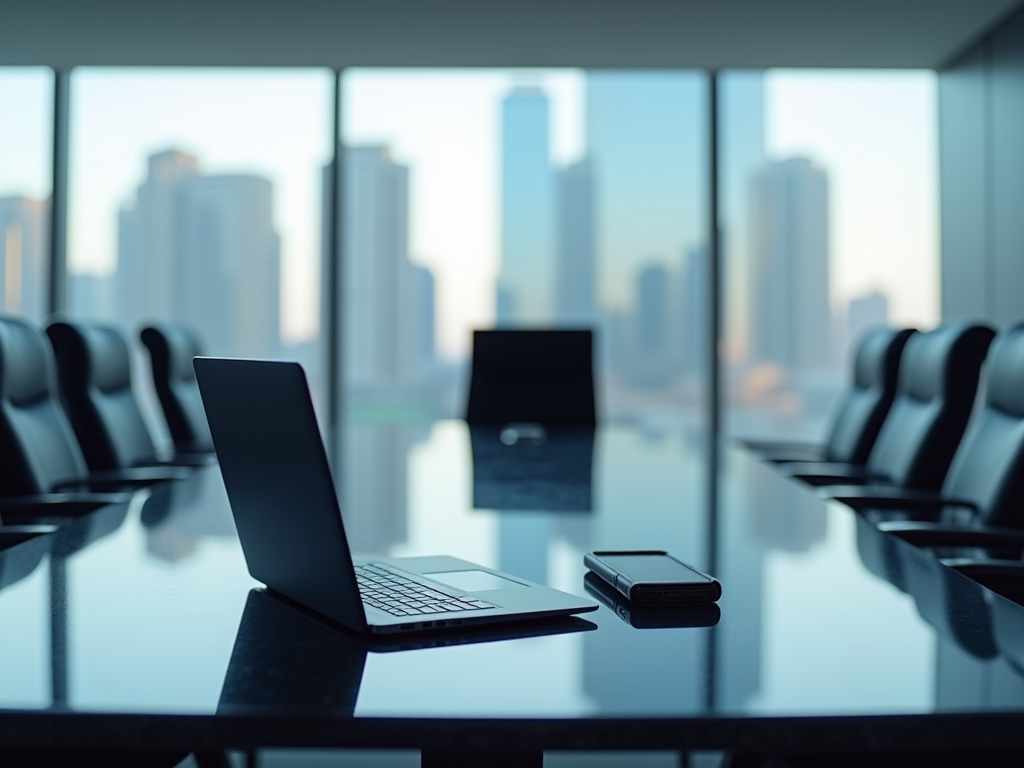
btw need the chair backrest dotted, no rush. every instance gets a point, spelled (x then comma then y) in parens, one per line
(862, 413)
(938, 381)
(38, 450)
(544, 376)
(988, 468)
(94, 374)
(171, 349)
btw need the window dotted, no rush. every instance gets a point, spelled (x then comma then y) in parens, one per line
(196, 198)
(26, 136)
(830, 211)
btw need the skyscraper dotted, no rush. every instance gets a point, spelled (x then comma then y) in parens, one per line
(864, 312)
(202, 250)
(526, 282)
(389, 302)
(23, 240)
(148, 240)
(645, 143)
(575, 278)
(229, 271)
(792, 319)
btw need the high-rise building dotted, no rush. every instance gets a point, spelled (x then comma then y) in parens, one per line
(23, 240)
(229, 269)
(388, 302)
(646, 149)
(694, 311)
(865, 312)
(792, 321)
(652, 311)
(526, 284)
(576, 278)
(202, 250)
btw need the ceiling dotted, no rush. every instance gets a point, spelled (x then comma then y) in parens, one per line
(527, 33)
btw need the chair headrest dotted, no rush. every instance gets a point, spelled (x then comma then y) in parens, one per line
(1005, 381)
(24, 363)
(935, 362)
(876, 361)
(172, 348)
(96, 355)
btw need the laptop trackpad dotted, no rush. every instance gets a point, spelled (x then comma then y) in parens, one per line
(473, 581)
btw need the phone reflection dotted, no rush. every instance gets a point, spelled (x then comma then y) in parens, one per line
(288, 659)
(641, 617)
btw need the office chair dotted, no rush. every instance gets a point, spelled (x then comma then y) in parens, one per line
(938, 381)
(535, 376)
(985, 483)
(44, 471)
(862, 410)
(94, 376)
(171, 349)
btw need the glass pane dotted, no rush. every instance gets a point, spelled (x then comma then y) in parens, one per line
(518, 199)
(830, 210)
(196, 198)
(477, 198)
(26, 145)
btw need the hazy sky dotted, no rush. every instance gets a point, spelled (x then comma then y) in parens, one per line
(874, 132)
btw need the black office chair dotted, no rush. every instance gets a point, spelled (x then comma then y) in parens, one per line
(938, 381)
(171, 350)
(862, 410)
(536, 376)
(94, 375)
(985, 483)
(43, 470)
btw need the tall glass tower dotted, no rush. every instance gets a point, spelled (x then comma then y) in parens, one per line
(526, 280)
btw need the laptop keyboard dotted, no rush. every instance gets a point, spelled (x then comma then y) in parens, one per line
(389, 591)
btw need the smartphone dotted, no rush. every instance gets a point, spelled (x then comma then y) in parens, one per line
(650, 617)
(652, 578)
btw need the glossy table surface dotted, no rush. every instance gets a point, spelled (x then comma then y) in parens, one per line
(144, 613)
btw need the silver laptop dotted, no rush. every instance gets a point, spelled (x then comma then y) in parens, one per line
(289, 522)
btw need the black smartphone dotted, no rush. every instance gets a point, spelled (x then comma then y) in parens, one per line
(650, 617)
(653, 578)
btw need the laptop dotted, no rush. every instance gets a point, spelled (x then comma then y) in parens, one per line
(289, 522)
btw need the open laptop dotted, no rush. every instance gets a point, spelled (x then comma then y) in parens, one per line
(289, 522)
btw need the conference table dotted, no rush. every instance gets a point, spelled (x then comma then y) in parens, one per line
(138, 626)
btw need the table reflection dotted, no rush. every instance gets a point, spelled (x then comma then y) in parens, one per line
(145, 608)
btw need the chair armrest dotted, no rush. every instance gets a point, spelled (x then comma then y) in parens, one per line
(138, 476)
(792, 455)
(988, 570)
(891, 497)
(941, 535)
(776, 445)
(825, 473)
(56, 505)
(12, 535)
(196, 459)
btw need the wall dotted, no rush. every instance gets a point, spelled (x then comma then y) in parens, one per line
(981, 157)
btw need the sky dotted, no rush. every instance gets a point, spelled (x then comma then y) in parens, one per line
(874, 133)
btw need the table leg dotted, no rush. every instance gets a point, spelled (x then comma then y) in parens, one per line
(481, 759)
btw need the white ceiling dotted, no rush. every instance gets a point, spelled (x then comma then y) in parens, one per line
(529, 33)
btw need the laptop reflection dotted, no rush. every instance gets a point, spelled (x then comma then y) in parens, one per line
(287, 658)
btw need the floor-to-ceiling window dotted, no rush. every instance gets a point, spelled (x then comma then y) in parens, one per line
(829, 198)
(195, 197)
(26, 119)
(26, 131)
(482, 198)
(830, 226)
